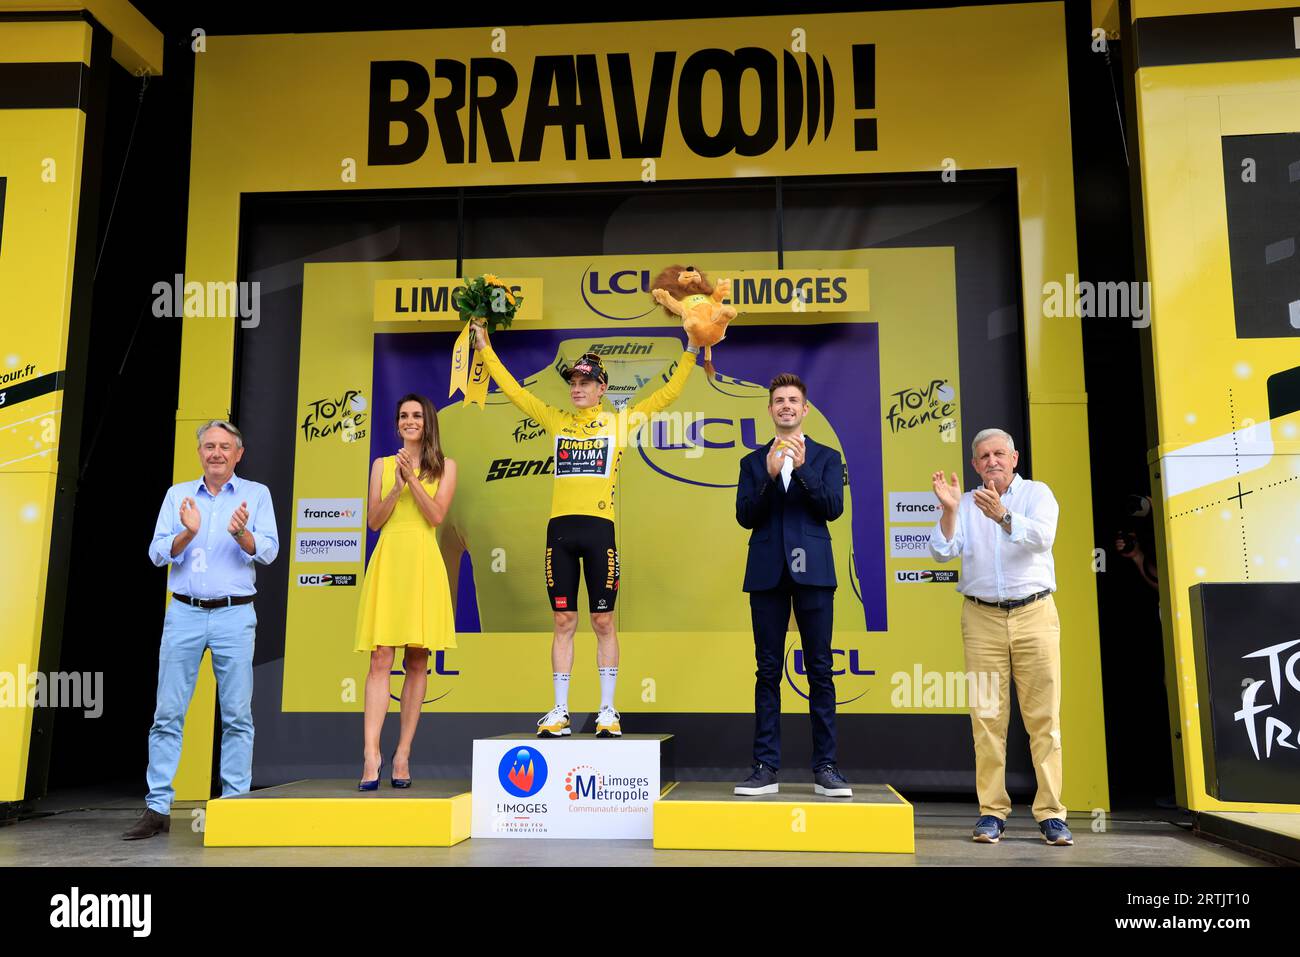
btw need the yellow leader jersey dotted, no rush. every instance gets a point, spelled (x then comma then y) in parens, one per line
(588, 442)
(682, 555)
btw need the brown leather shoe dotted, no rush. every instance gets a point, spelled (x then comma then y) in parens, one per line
(150, 823)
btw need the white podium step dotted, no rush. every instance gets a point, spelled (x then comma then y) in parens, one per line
(580, 786)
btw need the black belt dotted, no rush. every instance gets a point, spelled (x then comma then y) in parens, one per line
(1014, 603)
(215, 602)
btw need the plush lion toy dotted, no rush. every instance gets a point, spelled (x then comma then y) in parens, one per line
(686, 293)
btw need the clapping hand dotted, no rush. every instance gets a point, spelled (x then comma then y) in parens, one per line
(948, 493)
(190, 516)
(775, 455)
(405, 467)
(238, 520)
(795, 449)
(989, 502)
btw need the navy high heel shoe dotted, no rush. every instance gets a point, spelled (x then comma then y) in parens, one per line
(398, 782)
(373, 785)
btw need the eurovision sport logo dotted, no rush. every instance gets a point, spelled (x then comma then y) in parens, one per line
(522, 772)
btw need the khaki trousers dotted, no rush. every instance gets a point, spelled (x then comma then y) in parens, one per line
(1024, 643)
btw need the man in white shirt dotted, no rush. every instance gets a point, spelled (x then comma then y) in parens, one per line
(1003, 533)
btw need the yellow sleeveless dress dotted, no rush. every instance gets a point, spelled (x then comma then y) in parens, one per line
(405, 596)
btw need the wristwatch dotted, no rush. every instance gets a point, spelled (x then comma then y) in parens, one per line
(1005, 519)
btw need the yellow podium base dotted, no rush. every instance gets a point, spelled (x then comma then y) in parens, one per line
(708, 816)
(336, 814)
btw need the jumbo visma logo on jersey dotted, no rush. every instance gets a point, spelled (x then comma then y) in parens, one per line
(578, 457)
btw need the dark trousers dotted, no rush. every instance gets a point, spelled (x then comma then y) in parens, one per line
(813, 611)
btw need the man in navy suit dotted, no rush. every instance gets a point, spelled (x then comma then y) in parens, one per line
(789, 489)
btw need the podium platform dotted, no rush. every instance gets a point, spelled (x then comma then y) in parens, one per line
(578, 786)
(708, 816)
(327, 813)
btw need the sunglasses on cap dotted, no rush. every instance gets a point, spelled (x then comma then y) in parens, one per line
(588, 364)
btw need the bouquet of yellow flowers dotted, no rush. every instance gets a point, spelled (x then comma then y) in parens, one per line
(488, 301)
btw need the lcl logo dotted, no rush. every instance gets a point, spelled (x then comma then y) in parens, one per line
(440, 667)
(616, 290)
(848, 662)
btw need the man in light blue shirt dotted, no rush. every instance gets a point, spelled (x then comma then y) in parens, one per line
(1003, 533)
(209, 532)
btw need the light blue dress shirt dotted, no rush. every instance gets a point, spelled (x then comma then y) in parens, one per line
(997, 566)
(213, 565)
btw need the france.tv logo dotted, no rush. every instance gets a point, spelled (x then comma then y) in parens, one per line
(522, 772)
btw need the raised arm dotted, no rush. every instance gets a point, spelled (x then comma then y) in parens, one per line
(946, 538)
(664, 396)
(547, 415)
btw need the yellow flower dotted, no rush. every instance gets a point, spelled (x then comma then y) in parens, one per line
(510, 298)
(491, 279)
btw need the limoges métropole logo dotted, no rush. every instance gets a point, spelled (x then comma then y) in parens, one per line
(522, 772)
(585, 782)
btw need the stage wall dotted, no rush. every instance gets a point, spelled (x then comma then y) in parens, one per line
(1220, 173)
(895, 92)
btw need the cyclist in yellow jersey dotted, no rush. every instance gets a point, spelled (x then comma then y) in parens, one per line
(685, 465)
(589, 441)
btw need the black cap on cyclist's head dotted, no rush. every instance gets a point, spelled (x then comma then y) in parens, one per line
(588, 364)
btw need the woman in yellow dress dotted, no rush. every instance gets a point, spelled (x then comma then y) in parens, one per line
(405, 597)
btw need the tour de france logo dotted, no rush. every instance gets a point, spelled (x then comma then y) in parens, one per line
(522, 772)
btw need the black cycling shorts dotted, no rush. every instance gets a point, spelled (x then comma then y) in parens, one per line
(570, 538)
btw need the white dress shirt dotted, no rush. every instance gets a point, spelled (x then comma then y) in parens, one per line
(997, 566)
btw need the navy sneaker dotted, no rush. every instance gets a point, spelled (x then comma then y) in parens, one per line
(761, 781)
(828, 782)
(1055, 831)
(988, 829)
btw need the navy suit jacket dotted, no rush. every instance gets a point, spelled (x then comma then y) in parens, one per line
(783, 520)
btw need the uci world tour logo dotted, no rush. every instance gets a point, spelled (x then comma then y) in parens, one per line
(522, 772)
(620, 296)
